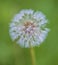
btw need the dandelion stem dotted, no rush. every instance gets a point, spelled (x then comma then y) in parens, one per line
(32, 56)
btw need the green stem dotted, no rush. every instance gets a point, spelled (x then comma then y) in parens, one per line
(32, 56)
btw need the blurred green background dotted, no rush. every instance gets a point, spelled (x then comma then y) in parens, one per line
(10, 52)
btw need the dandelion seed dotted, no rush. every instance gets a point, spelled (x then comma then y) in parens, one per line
(27, 28)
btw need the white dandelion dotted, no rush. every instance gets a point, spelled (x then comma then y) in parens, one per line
(28, 28)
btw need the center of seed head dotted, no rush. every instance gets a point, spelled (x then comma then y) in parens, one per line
(29, 27)
(27, 24)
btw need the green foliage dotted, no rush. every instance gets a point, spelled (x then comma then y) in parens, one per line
(10, 52)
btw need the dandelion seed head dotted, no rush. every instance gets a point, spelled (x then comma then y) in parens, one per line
(27, 28)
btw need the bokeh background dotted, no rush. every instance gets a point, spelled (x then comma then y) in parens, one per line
(13, 54)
